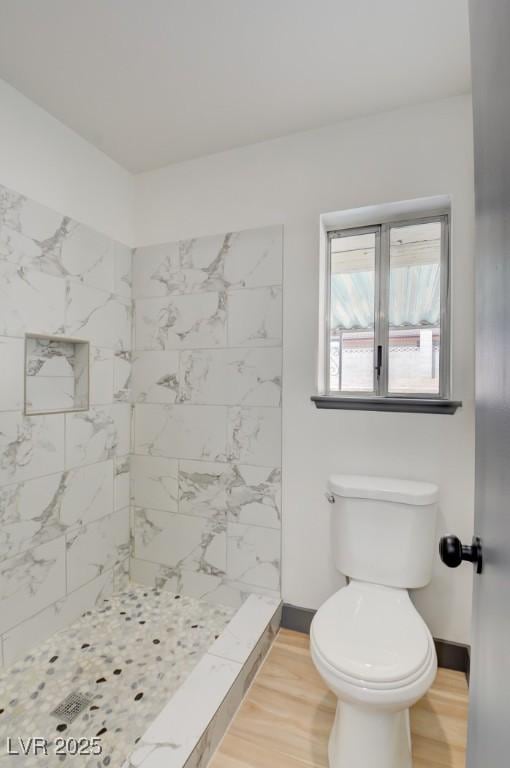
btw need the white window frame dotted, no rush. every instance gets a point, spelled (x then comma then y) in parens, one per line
(381, 304)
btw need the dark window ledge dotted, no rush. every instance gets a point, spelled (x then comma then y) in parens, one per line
(396, 404)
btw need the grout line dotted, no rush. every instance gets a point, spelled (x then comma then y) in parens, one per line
(73, 280)
(69, 529)
(37, 376)
(63, 471)
(224, 580)
(211, 405)
(216, 348)
(212, 460)
(212, 518)
(227, 289)
(67, 468)
(224, 462)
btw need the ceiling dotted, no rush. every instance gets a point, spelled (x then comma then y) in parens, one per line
(153, 82)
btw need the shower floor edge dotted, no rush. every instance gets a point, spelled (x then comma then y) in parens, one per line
(187, 731)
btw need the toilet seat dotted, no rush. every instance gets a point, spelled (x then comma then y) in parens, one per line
(372, 637)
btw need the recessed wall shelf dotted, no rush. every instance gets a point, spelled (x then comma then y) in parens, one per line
(56, 374)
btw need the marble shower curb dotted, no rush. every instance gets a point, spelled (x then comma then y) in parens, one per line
(189, 728)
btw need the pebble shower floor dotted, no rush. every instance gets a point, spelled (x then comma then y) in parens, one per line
(128, 657)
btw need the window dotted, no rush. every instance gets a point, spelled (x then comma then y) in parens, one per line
(388, 308)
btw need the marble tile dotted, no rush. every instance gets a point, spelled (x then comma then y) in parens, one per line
(98, 317)
(11, 379)
(50, 358)
(244, 630)
(122, 377)
(246, 494)
(30, 514)
(254, 555)
(101, 376)
(96, 548)
(41, 509)
(30, 446)
(11, 206)
(154, 482)
(219, 723)
(175, 431)
(122, 259)
(155, 377)
(145, 573)
(168, 742)
(190, 266)
(254, 436)
(50, 394)
(254, 258)
(196, 584)
(156, 270)
(255, 496)
(59, 277)
(30, 301)
(30, 582)
(98, 434)
(25, 228)
(231, 376)
(122, 482)
(243, 259)
(40, 238)
(202, 263)
(81, 375)
(35, 630)
(204, 488)
(180, 541)
(83, 254)
(216, 590)
(235, 593)
(86, 494)
(121, 581)
(15, 247)
(185, 382)
(255, 317)
(181, 322)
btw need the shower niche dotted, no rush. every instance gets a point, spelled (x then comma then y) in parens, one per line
(56, 374)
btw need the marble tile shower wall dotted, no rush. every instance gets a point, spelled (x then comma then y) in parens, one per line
(64, 478)
(207, 366)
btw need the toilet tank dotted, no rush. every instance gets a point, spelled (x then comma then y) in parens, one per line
(383, 530)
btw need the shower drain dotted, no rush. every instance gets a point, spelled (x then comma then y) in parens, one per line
(72, 706)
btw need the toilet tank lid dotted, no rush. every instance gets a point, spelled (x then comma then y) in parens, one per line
(384, 489)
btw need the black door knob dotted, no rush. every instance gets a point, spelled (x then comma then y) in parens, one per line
(452, 552)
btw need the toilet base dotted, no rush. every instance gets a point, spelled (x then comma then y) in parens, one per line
(365, 737)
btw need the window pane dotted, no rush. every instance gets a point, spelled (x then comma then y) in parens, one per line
(352, 303)
(415, 309)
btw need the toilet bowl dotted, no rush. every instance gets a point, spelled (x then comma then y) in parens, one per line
(376, 654)
(367, 641)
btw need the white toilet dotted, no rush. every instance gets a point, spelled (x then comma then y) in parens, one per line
(368, 642)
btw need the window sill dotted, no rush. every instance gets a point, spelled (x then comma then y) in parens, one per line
(395, 404)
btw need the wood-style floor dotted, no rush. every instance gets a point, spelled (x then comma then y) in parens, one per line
(285, 720)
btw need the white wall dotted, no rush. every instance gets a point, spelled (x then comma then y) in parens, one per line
(44, 160)
(413, 152)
